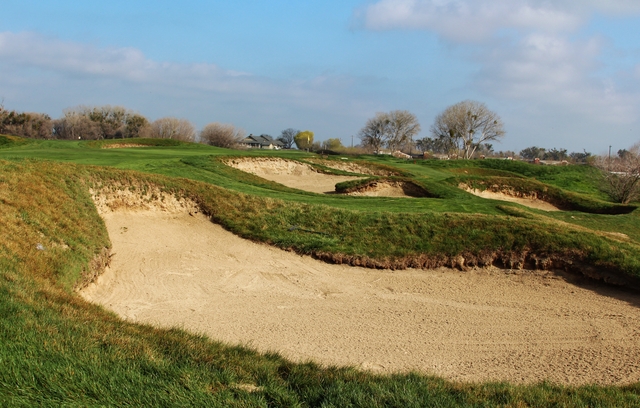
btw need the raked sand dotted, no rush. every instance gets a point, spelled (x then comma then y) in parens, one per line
(171, 268)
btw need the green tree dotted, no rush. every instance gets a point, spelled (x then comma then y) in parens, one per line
(533, 152)
(332, 144)
(304, 139)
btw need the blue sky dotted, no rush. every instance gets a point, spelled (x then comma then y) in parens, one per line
(562, 74)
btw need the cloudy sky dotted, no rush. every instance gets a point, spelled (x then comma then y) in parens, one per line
(562, 73)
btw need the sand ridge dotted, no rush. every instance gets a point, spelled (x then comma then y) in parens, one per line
(173, 267)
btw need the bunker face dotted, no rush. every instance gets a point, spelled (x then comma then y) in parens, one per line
(389, 189)
(173, 269)
(530, 202)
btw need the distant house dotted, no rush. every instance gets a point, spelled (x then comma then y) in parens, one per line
(262, 142)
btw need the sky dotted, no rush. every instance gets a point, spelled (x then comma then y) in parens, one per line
(560, 74)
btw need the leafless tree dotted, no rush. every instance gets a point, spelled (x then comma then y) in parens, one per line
(403, 126)
(221, 135)
(108, 122)
(375, 132)
(172, 128)
(76, 124)
(287, 136)
(394, 130)
(26, 124)
(621, 175)
(468, 124)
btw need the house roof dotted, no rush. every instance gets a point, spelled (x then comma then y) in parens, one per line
(262, 140)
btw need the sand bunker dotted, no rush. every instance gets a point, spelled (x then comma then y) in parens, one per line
(530, 202)
(381, 188)
(122, 145)
(170, 268)
(355, 168)
(290, 173)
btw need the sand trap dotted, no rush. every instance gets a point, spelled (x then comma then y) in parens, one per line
(123, 145)
(355, 167)
(381, 190)
(290, 173)
(528, 202)
(174, 269)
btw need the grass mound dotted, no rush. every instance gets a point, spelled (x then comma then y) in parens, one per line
(7, 141)
(576, 178)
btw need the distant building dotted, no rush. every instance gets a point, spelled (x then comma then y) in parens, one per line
(261, 142)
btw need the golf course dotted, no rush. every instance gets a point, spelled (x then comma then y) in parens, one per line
(155, 272)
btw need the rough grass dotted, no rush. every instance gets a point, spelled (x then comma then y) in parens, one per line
(7, 141)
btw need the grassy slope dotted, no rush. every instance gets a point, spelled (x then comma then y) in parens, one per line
(57, 349)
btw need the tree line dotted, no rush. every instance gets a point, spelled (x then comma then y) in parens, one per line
(117, 122)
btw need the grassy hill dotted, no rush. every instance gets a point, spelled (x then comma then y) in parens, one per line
(57, 349)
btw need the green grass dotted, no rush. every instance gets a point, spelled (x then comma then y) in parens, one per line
(56, 349)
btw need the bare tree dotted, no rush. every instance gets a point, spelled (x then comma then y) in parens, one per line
(468, 124)
(403, 126)
(621, 175)
(287, 136)
(394, 130)
(221, 135)
(25, 124)
(74, 125)
(375, 132)
(110, 122)
(172, 128)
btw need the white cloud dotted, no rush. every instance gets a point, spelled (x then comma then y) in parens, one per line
(555, 72)
(35, 68)
(526, 49)
(477, 20)
(468, 21)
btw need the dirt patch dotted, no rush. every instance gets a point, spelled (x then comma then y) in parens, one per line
(172, 267)
(530, 200)
(290, 173)
(122, 145)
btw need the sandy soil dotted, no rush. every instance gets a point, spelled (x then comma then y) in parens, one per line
(381, 189)
(122, 145)
(351, 167)
(529, 202)
(170, 268)
(291, 174)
